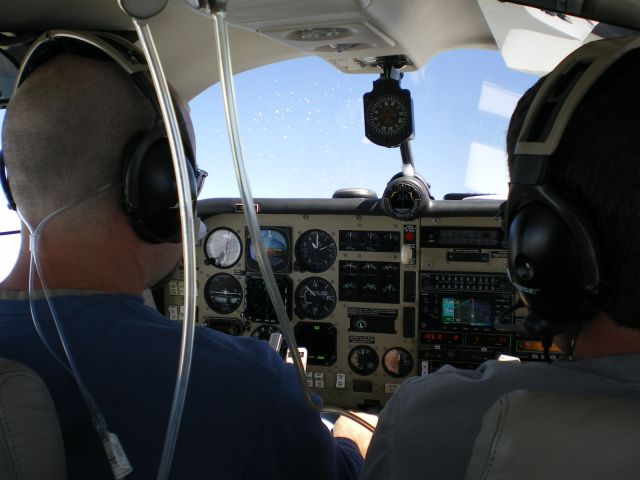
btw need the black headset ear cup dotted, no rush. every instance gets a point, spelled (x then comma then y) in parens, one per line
(546, 264)
(4, 181)
(149, 187)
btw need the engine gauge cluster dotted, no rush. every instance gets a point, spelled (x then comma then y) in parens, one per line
(369, 281)
(369, 241)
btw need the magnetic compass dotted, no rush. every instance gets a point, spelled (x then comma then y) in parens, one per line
(388, 113)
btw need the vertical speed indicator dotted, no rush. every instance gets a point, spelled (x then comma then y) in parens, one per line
(315, 298)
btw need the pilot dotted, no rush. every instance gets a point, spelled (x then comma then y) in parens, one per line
(67, 133)
(428, 428)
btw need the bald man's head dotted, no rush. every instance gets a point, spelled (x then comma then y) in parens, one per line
(65, 131)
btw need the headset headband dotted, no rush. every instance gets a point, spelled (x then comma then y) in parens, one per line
(116, 48)
(112, 47)
(557, 100)
(148, 198)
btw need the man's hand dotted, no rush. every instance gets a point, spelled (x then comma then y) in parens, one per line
(347, 428)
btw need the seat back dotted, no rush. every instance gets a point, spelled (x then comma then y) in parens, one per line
(536, 435)
(31, 446)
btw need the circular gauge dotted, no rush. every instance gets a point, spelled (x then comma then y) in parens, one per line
(372, 242)
(397, 362)
(316, 251)
(388, 119)
(349, 290)
(370, 289)
(222, 248)
(276, 245)
(363, 360)
(404, 198)
(223, 293)
(315, 298)
(388, 115)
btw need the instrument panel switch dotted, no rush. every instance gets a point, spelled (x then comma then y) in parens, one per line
(318, 379)
(341, 381)
(407, 255)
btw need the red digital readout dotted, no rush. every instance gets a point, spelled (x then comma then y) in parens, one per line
(536, 347)
(488, 340)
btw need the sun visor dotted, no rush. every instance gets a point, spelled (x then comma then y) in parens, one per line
(532, 40)
(8, 74)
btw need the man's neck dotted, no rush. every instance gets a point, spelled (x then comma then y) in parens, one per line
(601, 336)
(79, 265)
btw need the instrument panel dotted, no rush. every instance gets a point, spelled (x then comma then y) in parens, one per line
(374, 300)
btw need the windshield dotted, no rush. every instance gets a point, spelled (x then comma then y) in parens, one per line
(302, 127)
(9, 244)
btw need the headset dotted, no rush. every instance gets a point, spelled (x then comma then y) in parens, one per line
(149, 191)
(553, 257)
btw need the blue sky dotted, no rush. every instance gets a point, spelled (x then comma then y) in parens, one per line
(301, 123)
(302, 128)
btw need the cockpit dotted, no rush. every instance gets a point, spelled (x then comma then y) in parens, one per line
(373, 133)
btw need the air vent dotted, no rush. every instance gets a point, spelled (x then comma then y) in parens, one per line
(319, 34)
(343, 47)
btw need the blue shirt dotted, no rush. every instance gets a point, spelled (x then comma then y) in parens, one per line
(244, 416)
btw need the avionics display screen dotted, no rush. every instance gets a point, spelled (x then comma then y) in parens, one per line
(319, 340)
(258, 307)
(276, 241)
(460, 237)
(470, 311)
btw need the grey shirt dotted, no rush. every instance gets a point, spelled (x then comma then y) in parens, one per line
(428, 428)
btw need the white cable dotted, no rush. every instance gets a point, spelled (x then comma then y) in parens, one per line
(229, 102)
(97, 418)
(188, 243)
